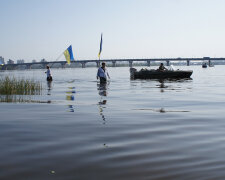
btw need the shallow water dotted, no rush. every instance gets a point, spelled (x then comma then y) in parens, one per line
(128, 129)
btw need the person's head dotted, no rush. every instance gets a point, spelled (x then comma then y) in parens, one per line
(103, 64)
(161, 64)
(47, 67)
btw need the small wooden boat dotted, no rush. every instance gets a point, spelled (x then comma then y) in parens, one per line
(156, 74)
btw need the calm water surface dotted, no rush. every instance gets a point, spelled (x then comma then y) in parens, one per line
(127, 129)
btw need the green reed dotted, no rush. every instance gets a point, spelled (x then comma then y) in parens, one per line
(13, 86)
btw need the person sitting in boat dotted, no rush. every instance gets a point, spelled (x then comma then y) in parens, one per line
(162, 67)
(103, 73)
(48, 72)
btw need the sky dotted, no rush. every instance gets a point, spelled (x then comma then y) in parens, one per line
(36, 29)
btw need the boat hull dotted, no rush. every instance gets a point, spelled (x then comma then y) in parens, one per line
(155, 74)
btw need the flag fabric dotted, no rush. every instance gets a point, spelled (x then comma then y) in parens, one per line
(68, 53)
(100, 50)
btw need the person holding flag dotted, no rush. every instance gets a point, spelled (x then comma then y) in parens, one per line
(68, 53)
(48, 72)
(103, 73)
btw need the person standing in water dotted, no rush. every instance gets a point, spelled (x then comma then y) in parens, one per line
(48, 72)
(103, 74)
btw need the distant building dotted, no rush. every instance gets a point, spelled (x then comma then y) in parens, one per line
(34, 61)
(43, 60)
(2, 61)
(10, 61)
(20, 61)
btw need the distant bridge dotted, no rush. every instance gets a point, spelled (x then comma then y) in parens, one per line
(113, 61)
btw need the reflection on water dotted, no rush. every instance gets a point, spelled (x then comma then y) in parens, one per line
(49, 85)
(102, 91)
(158, 102)
(21, 99)
(70, 97)
(102, 88)
(160, 110)
(162, 85)
(70, 108)
(49, 89)
(15, 98)
(172, 84)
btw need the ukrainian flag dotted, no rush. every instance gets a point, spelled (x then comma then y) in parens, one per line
(100, 48)
(68, 53)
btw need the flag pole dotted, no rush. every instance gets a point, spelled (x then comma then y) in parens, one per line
(57, 59)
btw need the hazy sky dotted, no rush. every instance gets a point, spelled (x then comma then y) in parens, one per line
(35, 29)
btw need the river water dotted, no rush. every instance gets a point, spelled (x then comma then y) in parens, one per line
(127, 129)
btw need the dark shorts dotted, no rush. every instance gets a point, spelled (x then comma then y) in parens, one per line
(49, 78)
(102, 80)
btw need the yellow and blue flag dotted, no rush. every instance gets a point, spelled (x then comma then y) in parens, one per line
(100, 50)
(68, 53)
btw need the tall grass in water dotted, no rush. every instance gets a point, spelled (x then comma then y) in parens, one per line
(13, 86)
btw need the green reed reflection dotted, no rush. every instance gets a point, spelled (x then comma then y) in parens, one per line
(21, 99)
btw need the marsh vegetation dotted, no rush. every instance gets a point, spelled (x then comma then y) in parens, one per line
(14, 89)
(14, 86)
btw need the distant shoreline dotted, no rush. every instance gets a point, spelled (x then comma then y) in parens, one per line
(77, 65)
